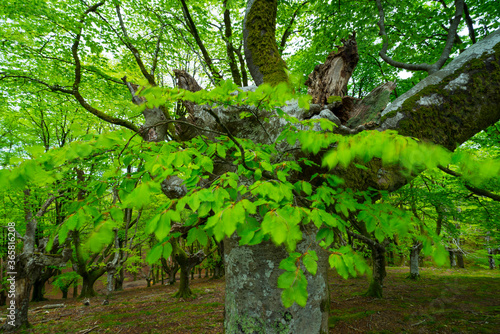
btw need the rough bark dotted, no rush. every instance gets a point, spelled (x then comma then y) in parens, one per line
(259, 39)
(154, 128)
(330, 78)
(445, 107)
(253, 301)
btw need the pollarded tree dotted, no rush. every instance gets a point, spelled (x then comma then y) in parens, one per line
(257, 170)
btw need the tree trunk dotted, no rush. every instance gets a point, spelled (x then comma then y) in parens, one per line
(119, 280)
(75, 290)
(414, 260)
(253, 301)
(460, 260)
(171, 270)
(186, 262)
(453, 262)
(330, 78)
(218, 268)
(491, 259)
(64, 293)
(184, 290)
(88, 285)
(376, 285)
(38, 291)
(17, 314)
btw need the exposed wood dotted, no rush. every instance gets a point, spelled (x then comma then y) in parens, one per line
(330, 78)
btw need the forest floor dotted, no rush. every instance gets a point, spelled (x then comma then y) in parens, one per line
(442, 301)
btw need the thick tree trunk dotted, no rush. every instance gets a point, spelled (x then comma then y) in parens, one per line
(38, 291)
(64, 293)
(253, 301)
(23, 289)
(460, 260)
(186, 262)
(376, 285)
(184, 290)
(414, 260)
(88, 285)
(259, 39)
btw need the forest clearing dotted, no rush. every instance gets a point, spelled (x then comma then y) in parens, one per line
(442, 301)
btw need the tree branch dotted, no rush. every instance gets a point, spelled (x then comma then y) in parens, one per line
(217, 76)
(229, 46)
(78, 78)
(475, 190)
(133, 49)
(288, 30)
(430, 68)
(470, 24)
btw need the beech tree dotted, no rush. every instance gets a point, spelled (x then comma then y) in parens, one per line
(277, 179)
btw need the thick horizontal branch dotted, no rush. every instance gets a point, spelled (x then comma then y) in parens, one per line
(475, 190)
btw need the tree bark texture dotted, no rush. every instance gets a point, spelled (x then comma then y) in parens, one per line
(259, 39)
(253, 301)
(330, 78)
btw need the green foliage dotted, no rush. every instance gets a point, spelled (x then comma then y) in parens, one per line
(46, 141)
(65, 280)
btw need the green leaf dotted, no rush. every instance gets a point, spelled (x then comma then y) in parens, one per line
(286, 279)
(289, 263)
(154, 254)
(163, 227)
(310, 261)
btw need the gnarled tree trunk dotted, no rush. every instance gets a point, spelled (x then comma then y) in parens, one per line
(253, 301)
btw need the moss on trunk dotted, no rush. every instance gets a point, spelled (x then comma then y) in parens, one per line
(261, 50)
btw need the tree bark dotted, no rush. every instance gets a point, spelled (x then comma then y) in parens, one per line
(491, 259)
(253, 301)
(330, 78)
(259, 39)
(88, 283)
(186, 262)
(378, 263)
(414, 260)
(453, 261)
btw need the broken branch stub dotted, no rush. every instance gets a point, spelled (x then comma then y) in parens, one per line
(330, 78)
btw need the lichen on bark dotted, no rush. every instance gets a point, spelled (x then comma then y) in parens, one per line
(445, 109)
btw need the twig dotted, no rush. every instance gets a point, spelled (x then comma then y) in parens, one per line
(418, 323)
(85, 331)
